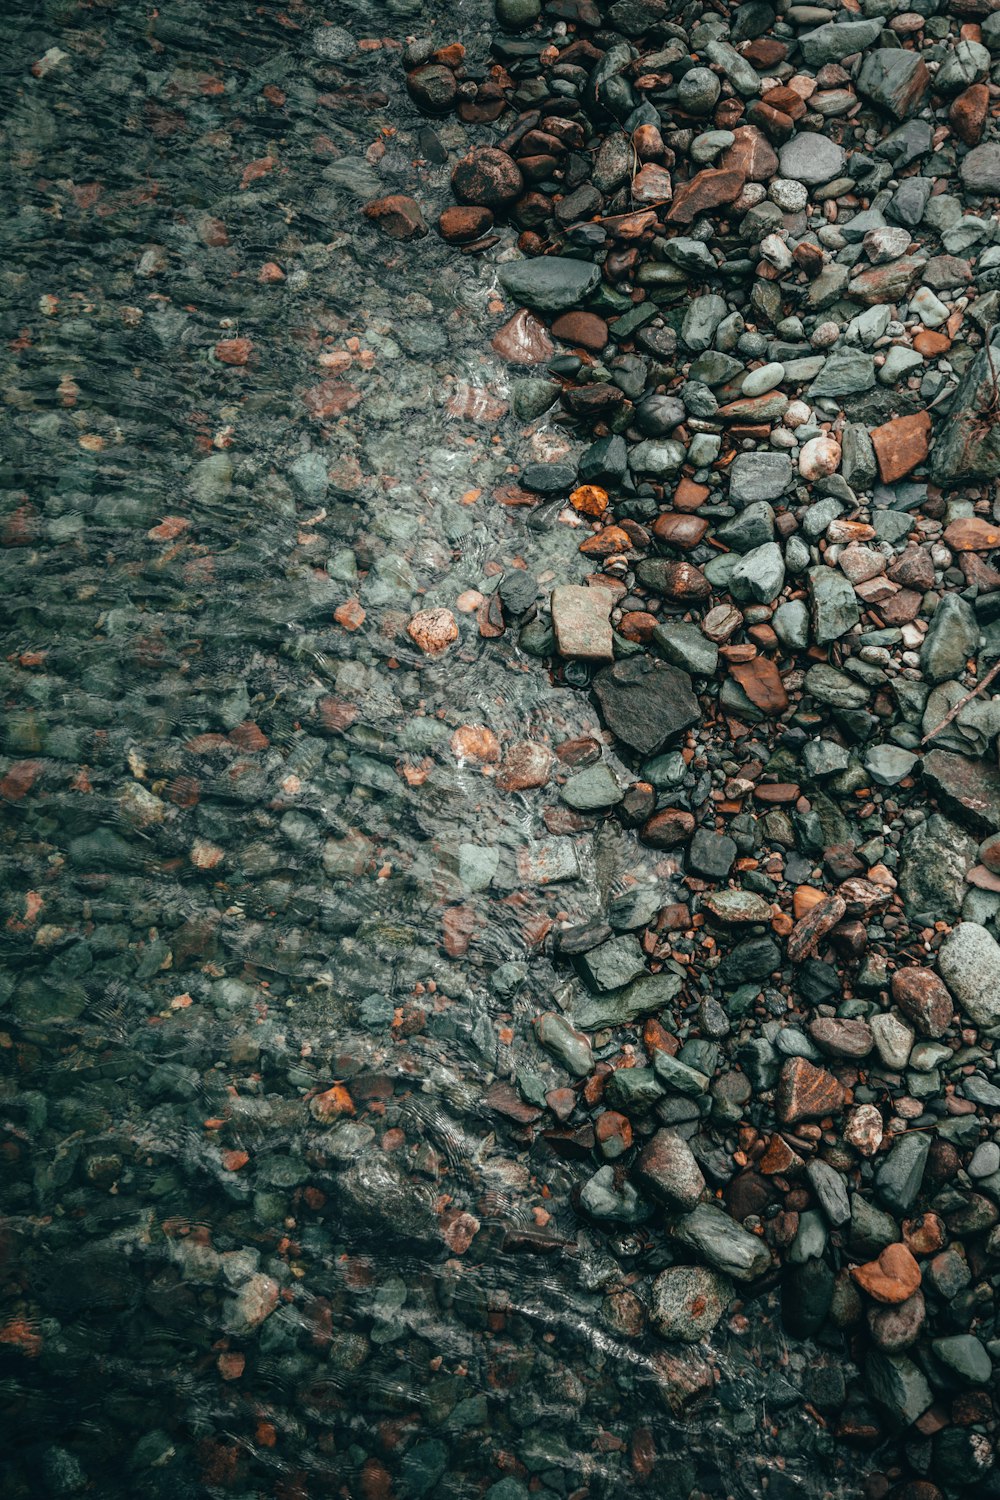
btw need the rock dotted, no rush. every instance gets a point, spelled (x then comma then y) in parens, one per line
(901, 445)
(551, 283)
(714, 1236)
(685, 646)
(840, 1038)
(896, 1328)
(969, 964)
(397, 216)
(968, 788)
(759, 476)
(433, 630)
(829, 1188)
(605, 1197)
(810, 158)
(898, 1179)
(648, 993)
(806, 1092)
(581, 621)
(592, 789)
(611, 965)
(833, 605)
(569, 1047)
(846, 373)
(458, 225)
(964, 1356)
(830, 43)
(668, 1171)
(896, 1384)
(688, 1302)
(759, 576)
(980, 169)
(967, 447)
(893, 80)
(893, 1278)
(888, 765)
(952, 639)
(645, 704)
(706, 191)
(490, 179)
(922, 996)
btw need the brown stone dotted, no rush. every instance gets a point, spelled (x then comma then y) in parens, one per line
(777, 126)
(709, 189)
(895, 1328)
(608, 542)
(234, 351)
(839, 1038)
(810, 930)
(924, 1000)
(583, 328)
(681, 531)
(762, 683)
(924, 1235)
(914, 569)
(931, 343)
(523, 340)
(589, 500)
(902, 444)
(433, 630)
(681, 581)
(652, 184)
(891, 1279)
(689, 496)
(779, 1158)
(486, 177)
(580, 619)
(809, 258)
(752, 154)
(787, 101)
(967, 114)
(667, 828)
(526, 764)
(888, 283)
(637, 625)
(806, 1092)
(972, 534)
(397, 216)
(765, 52)
(460, 223)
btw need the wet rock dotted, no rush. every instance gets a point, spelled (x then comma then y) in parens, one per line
(893, 1278)
(582, 624)
(711, 1234)
(645, 704)
(901, 1173)
(488, 179)
(552, 283)
(668, 1171)
(688, 1302)
(893, 80)
(897, 1385)
(397, 216)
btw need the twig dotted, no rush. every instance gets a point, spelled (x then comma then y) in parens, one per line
(954, 712)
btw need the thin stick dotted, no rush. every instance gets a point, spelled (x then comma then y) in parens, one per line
(954, 712)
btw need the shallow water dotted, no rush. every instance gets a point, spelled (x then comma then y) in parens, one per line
(273, 937)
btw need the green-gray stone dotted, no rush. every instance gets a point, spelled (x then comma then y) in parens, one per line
(552, 283)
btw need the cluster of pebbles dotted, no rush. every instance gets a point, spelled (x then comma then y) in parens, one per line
(758, 283)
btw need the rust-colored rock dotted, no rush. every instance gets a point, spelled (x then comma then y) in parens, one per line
(891, 1279)
(487, 177)
(931, 343)
(608, 542)
(651, 184)
(762, 683)
(683, 531)
(807, 1093)
(902, 444)
(523, 340)
(708, 190)
(462, 223)
(589, 500)
(667, 829)
(811, 929)
(583, 328)
(234, 351)
(752, 154)
(526, 764)
(433, 630)
(689, 496)
(967, 114)
(924, 1000)
(397, 216)
(972, 534)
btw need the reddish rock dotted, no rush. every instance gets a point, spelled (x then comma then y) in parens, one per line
(810, 930)
(580, 619)
(614, 1134)
(888, 283)
(897, 1327)
(432, 88)
(708, 190)
(683, 531)
(806, 1092)
(234, 351)
(967, 114)
(667, 828)
(397, 216)
(972, 534)
(891, 1279)
(608, 542)
(809, 258)
(487, 177)
(840, 1038)
(931, 343)
(433, 630)
(459, 224)
(777, 126)
(762, 683)
(751, 154)
(526, 764)
(924, 1235)
(689, 496)
(523, 340)
(914, 569)
(924, 1000)
(583, 328)
(902, 444)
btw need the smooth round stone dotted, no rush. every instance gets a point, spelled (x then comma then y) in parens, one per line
(791, 197)
(707, 147)
(759, 382)
(698, 90)
(811, 158)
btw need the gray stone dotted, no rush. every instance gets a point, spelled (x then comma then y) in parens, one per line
(898, 1179)
(980, 169)
(811, 158)
(910, 200)
(611, 965)
(965, 1356)
(896, 1383)
(645, 704)
(829, 685)
(857, 461)
(759, 476)
(967, 447)
(551, 283)
(833, 604)
(889, 764)
(685, 646)
(688, 1302)
(753, 527)
(830, 1189)
(846, 373)
(668, 1171)
(831, 43)
(698, 91)
(678, 1077)
(712, 1234)
(604, 1197)
(791, 622)
(893, 79)
(759, 576)
(711, 855)
(592, 788)
(934, 859)
(952, 638)
(969, 964)
(648, 993)
(569, 1047)
(970, 789)
(701, 318)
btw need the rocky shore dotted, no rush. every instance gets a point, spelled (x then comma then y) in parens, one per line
(501, 812)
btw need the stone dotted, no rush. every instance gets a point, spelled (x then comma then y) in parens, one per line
(811, 158)
(833, 604)
(605, 1197)
(806, 1092)
(433, 630)
(898, 1179)
(488, 178)
(611, 965)
(711, 855)
(894, 1382)
(830, 43)
(901, 445)
(397, 216)
(923, 997)
(568, 1046)
(967, 447)
(714, 1236)
(685, 646)
(952, 639)
(688, 1302)
(829, 1187)
(551, 283)
(965, 1356)
(970, 789)
(846, 373)
(759, 476)
(969, 964)
(888, 765)
(707, 190)
(896, 1327)
(668, 1171)
(980, 169)
(759, 576)
(892, 1278)
(581, 621)
(893, 80)
(645, 704)
(594, 788)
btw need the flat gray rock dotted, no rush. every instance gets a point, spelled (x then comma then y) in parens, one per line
(811, 158)
(552, 283)
(969, 964)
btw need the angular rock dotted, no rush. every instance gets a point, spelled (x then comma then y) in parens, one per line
(893, 80)
(714, 1236)
(582, 624)
(668, 1171)
(806, 1092)
(552, 283)
(645, 704)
